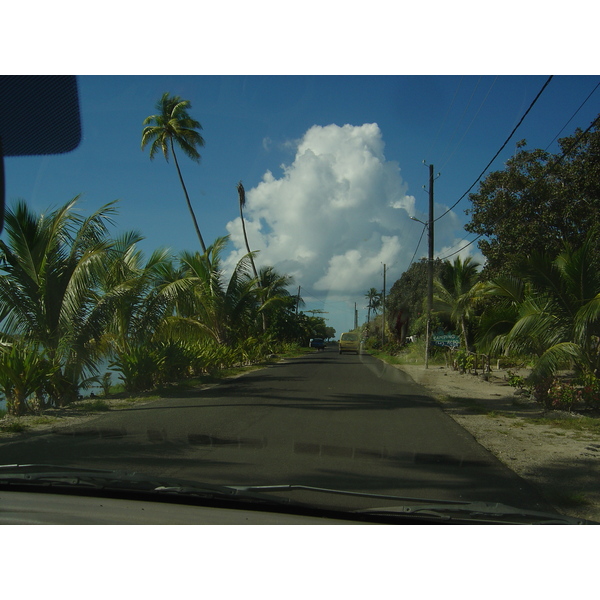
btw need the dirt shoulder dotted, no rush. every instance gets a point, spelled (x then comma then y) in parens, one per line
(557, 452)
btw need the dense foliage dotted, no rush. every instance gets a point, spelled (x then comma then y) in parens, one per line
(537, 201)
(407, 299)
(72, 298)
(537, 298)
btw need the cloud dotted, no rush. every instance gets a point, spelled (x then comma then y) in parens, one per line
(459, 248)
(337, 212)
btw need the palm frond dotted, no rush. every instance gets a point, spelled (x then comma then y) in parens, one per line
(554, 358)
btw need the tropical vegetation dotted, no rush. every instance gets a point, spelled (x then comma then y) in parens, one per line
(536, 300)
(170, 126)
(74, 298)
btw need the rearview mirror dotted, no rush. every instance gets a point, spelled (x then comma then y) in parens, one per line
(39, 114)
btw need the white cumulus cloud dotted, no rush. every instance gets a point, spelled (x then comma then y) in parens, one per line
(337, 212)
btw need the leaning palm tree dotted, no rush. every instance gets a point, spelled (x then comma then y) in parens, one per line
(173, 125)
(242, 198)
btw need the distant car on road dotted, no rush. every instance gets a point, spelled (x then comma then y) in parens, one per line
(349, 342)
(318, 343)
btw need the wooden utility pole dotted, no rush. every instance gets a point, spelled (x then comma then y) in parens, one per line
(429, 268)
(383, 311)
(298, 301)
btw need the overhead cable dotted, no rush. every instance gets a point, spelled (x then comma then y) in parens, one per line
(556, 163)
(501, 147)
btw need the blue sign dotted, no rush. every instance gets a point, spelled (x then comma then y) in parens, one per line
(449, 340)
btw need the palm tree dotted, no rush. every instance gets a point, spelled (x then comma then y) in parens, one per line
(146, 341)
(456, 293)
(559, 316)
(224, 309)
(242, 198)
(374, 302)
(274, 294)
(172, 124)
(49, 293)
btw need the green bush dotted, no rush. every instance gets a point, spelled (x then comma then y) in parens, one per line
(464, 360)
(561, 394)
(138, 367)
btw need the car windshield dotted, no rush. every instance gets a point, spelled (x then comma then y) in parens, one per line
(174, 292)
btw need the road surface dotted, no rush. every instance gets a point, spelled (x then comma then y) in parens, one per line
(347, 422)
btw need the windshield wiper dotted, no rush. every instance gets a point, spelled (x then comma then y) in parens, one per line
(478, 512)
(61, 478)
(442, 510)
(53, 478)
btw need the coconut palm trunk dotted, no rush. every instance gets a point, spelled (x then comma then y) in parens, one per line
(187, 199)
(173, 125)
(242, 197)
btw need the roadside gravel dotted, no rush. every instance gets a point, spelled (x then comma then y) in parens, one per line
(543, 447)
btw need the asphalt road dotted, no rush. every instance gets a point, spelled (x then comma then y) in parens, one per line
(344, 422)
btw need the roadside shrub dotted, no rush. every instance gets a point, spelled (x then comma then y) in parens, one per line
(563, 395)
(590, 390)
(464, 360)
(175, 359)
(25, 375)
(392, 348)
(138, 367)
(516, 381)
(560, 394)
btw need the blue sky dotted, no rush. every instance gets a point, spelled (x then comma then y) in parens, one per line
(332, 165)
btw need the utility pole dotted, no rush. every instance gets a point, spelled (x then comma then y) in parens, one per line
(383, 311)
(355, 317)
(429, 268)
(298, 301)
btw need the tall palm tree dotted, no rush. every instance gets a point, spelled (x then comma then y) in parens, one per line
(173, 125)
(242, 198)
(456, 293)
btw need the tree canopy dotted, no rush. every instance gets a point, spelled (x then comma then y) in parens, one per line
(539, 201)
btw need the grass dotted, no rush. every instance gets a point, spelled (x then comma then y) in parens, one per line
(14, 427)
(96, 405)
(577, 424)
(43, 420)
(571, 499)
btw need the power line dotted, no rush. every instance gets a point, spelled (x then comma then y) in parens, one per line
(470, 124)
(573, 116)
(501, 147)
(417, 248)
(556, 163)
(446, 116)
(461, 118)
